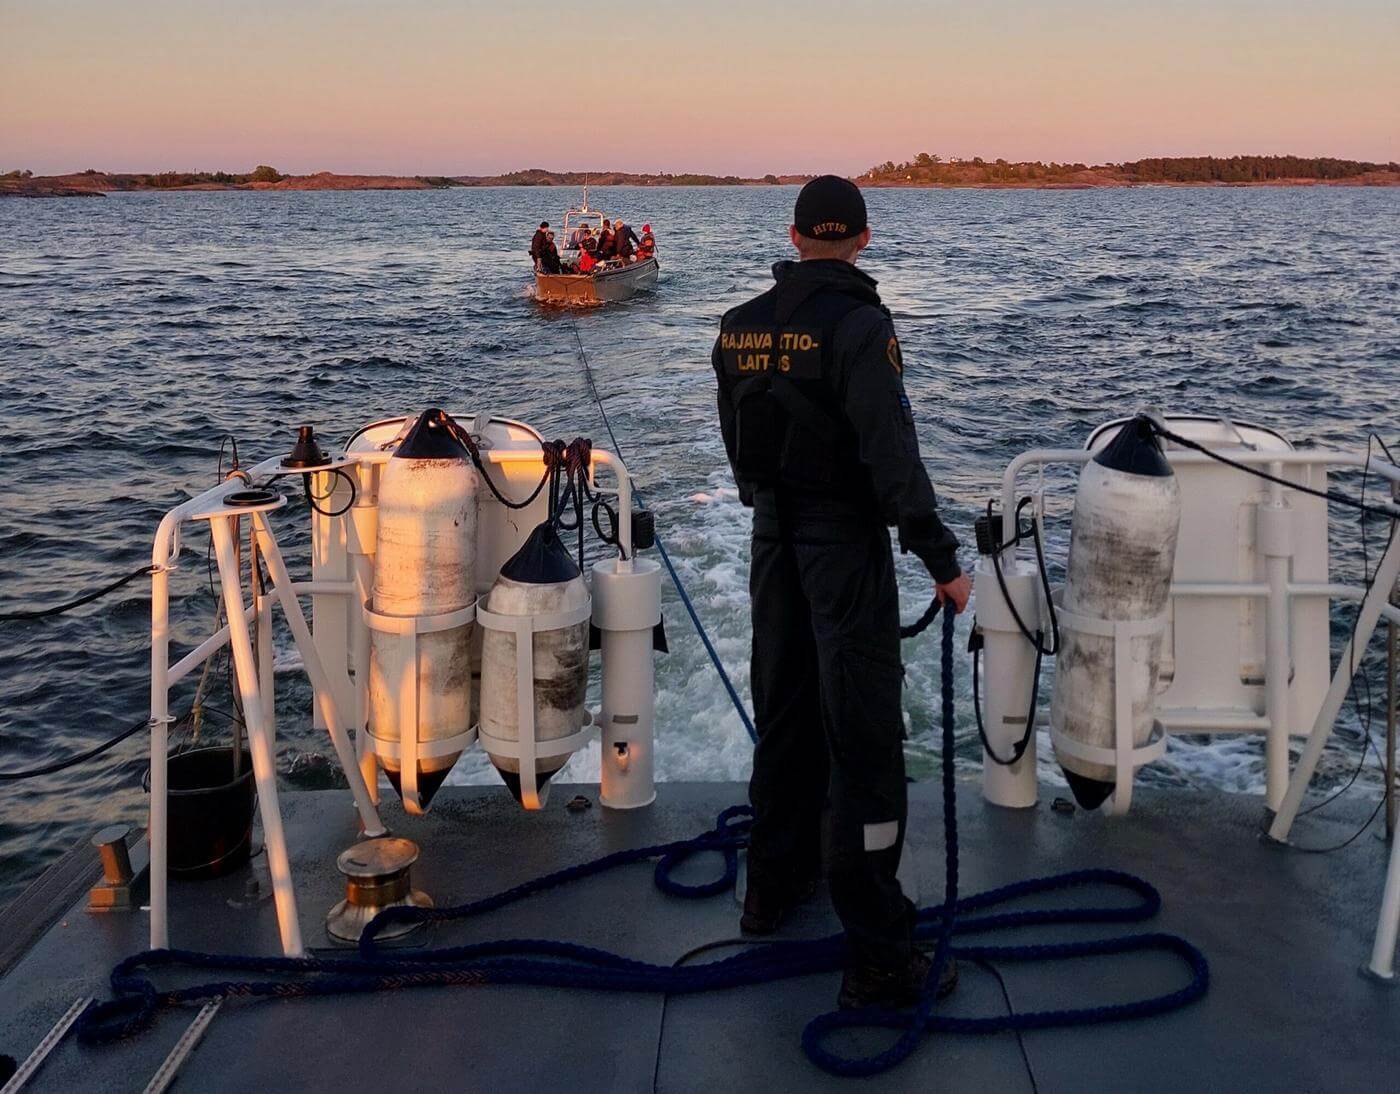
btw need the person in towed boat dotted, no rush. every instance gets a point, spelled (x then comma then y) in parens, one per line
(549, 256)
(607, 242)
(587, 254)
(537, 242)
(820, 436)
(646, 246)
(624, 240)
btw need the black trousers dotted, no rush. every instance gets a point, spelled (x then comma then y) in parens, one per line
(828, 774)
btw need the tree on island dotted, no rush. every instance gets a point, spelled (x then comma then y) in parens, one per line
(925, 169)
(264, 173)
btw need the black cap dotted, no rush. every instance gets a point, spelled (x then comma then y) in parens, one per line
(830, 208)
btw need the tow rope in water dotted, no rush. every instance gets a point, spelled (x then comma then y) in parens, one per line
(550, 963)
(661, 548)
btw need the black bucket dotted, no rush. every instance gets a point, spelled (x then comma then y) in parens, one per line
(210, 812)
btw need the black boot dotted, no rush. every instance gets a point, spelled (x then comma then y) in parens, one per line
(866, 985)
(768, 902)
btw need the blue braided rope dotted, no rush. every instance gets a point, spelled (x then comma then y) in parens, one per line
(709, 646)
(912, 1024)
(549, 963)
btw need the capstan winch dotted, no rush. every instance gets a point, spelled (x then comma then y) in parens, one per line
(376, 873)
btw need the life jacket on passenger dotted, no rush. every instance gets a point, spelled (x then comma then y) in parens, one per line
(587, 255)
(647, 247)
(790, 428)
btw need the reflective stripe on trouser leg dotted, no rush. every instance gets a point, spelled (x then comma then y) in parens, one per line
(849, 583)
(881, 836)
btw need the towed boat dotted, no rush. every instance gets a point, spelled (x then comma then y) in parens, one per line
(445, 615)
(608, 282)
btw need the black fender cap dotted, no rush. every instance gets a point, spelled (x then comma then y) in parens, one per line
(542, 559)
(1135, 450)
(433, 437)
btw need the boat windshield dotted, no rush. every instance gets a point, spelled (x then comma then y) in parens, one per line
(575, 220)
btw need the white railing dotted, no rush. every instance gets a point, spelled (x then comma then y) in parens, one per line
(1284, 789)
(253, 668)
(1278, 591)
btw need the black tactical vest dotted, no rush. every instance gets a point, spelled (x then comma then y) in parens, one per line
(790, 429)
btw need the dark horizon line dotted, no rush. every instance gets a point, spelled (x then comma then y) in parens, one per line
(942, 161)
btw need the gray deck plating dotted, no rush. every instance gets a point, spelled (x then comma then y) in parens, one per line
(1285, 934)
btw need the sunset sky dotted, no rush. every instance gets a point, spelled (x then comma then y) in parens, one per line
(466, 87)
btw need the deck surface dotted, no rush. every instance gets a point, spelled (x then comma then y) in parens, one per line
(1285, 934)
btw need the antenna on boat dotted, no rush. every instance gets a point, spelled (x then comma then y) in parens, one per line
(585, 195)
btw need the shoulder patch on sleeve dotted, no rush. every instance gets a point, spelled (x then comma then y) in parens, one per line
(892, 352)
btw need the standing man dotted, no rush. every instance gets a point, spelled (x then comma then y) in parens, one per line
(549, 256)
(820, 436)
(625, 240)
(537, 242)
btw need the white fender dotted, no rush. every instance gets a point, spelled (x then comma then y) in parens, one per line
(540, 593)
(1122, 549)
(421, 609)
(1008, 675)
(626, 611)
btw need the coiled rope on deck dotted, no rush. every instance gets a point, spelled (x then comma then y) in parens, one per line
(551, 963)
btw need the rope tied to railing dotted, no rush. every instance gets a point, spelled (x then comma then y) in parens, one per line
(86, 598)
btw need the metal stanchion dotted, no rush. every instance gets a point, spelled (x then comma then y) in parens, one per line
(1392, 709)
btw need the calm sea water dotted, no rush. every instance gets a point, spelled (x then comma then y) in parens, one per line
(138, 330)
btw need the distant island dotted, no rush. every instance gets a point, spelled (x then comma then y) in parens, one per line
(94, 183)
(924, 170)
(928, 170)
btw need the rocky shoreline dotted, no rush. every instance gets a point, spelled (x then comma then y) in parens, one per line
(98, 184)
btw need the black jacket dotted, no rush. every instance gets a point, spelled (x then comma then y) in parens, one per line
(855, 378)
(537, 242)
(549, 258)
